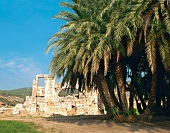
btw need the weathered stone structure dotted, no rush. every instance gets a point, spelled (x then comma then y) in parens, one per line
(45, 100)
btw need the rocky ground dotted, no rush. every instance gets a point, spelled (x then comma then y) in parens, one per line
(90, 124)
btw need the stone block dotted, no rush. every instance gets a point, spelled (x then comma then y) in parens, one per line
(16, 111)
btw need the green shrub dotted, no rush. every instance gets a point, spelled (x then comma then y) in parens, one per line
(128, 116)
(133, 112)
(116, 111)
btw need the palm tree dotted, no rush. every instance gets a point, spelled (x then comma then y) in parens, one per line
(99, 36)
(79, 47)
(151, 18)
(156, 18)
(148, 17)
(118, 20)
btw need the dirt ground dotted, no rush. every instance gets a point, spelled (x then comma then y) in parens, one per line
(90, 124)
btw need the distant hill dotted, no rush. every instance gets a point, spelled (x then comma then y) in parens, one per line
(12, 97)
(22, 92)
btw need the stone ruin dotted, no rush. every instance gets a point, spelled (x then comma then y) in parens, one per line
(45, 100)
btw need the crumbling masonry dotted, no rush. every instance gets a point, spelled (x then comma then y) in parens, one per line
(45, 100)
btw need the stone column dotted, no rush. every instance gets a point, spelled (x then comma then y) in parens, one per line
(34, 99)
(49, 96)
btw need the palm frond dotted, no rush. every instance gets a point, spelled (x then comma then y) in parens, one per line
(65, 15)
(129, 47)
(107, 57)
(66, 4)
(164, 48)
(151, 50)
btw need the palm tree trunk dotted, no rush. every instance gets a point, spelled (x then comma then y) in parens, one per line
(105, 89)
(102, 96)
(113, 96)
(168, 104)
(152, 99)
(142, 101)
(121, 85)
(131, 99)
(133, 83)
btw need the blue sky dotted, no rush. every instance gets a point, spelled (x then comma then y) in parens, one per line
(25, 28)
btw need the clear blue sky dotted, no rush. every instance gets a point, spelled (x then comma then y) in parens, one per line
(25, 28)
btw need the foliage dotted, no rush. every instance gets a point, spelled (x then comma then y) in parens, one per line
(64, 93)
(8, 126)
(22, 92)
(129, 116)
(116, 111)
(133, 112)
(105, 43)
(12, 97)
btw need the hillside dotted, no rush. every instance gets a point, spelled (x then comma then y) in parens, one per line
(12, 97)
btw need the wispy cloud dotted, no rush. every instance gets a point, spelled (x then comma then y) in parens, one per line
(21, 66)
(10, 64)
(19, 71)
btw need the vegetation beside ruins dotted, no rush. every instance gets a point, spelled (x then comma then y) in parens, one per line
(11, 126)
(12, 97)
(116, 46)
(21, 92)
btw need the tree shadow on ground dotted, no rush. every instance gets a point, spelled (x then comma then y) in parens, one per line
(82, 119)
(159, 124)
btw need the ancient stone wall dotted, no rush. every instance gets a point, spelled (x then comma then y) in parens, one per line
(45, 100)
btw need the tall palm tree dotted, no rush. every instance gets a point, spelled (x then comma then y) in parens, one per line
(101, 33)
(150, 17)
(155, 28)
(79, 48)
(153, 19)
(121, 30)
